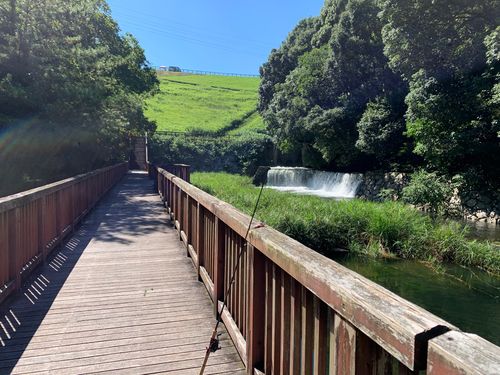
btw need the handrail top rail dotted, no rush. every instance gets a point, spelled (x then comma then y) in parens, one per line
(16, 200)
(388, 319)
(172, 165)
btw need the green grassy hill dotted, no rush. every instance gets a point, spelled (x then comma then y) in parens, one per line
(205, 102)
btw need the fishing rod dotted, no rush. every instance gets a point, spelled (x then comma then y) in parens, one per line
(213, 346)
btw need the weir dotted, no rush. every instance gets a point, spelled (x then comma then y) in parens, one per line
(312, 182)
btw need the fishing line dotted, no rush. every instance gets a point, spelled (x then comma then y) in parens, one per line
(214, 341)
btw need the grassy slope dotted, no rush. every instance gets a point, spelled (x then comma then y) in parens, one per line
(182, 107)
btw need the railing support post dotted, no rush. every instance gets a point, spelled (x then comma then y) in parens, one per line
(307, 327)
(256, 314)
(15, 246)
(59, 225)
(42, 248)
(219, 264)
(72, 205)
(200, 238)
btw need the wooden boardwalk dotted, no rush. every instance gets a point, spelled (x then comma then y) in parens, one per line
(120, 297)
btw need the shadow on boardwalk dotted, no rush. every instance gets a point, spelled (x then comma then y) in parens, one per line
(119, 297)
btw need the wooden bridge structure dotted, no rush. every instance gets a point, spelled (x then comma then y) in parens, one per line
(100, 275)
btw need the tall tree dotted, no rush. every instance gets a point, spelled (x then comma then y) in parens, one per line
(67, 72)
(439, 47)
(321, 100)
(283, 60)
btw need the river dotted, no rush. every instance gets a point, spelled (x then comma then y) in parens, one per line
(467, 298)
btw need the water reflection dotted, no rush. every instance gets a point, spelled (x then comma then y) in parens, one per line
(468, 299)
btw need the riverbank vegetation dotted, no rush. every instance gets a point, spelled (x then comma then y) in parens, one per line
(379, 229)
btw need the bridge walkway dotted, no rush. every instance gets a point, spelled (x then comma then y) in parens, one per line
(120, 297)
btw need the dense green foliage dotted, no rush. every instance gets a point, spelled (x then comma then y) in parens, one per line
(392, 84)
(204, 103)
(388, 228)
(431, 189)
(69, 77)
(237, 154)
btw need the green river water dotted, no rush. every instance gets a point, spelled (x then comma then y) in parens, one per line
(468, 299)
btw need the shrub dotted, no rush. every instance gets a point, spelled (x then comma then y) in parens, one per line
(241, 155)
(429, 188)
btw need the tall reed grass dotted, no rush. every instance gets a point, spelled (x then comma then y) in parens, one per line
(379, 229)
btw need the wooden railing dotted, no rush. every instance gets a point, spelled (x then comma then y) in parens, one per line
(180, 170)
(34, 222)
(293, 311)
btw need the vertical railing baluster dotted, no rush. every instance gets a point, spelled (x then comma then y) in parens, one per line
(276, 319)
(255, 332)
(268, 346)
(14, 218)
(320, 336)
(306, 356)
(295, 327)
(4, 249)
(219, 262)
(343, 358)
(370, 356)
(285, 296)
(58, 217)
(200, 237)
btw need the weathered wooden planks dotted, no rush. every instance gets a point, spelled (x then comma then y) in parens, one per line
(120, 297)
(457, 353)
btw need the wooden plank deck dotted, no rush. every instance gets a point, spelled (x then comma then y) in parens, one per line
(120, 297)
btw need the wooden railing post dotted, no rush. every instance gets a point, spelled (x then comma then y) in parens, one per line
(200, 238)
(59, 225)
(342, 346)
(295, 327)
(307, 328)
(256, 314)
(186, 223)
(42, 242)
(320, 336)
(276, 319)
(73, 202)
(15, 246)
(219, 264)
(285, 296)
(372, 359)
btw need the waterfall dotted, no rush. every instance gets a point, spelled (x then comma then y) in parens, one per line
(311, 182)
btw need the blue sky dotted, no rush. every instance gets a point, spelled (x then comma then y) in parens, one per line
(219, 36)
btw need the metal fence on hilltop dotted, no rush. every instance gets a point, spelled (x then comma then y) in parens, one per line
(205, 72)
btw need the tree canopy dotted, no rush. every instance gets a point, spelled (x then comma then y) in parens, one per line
(390, 84)
(66, 69)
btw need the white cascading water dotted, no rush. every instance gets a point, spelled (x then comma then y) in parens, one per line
(311, 182)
